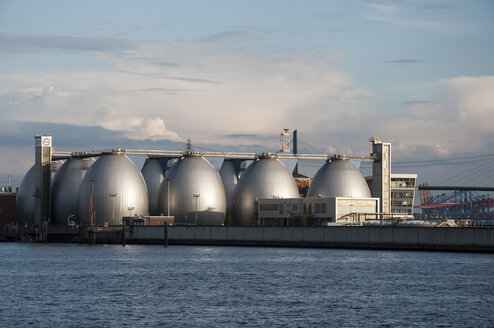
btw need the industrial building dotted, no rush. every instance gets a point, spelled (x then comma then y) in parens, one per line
(403, 193)
(7, 205)
(316, 211)
(249, 189)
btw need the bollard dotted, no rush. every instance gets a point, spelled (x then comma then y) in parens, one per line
(165, 235)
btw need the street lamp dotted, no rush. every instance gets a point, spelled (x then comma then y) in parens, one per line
(131, 208)
(68, 217)
(196, 196)
(112, 196)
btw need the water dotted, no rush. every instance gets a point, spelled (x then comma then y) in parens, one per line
(59, 285)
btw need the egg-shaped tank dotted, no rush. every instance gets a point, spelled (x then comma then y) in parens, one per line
(118, 190)
(153, 174)
(193, 192)
(25, 199)
(65, 190)
(229, 178)
(54, 167)
(267, 177)
(339, 178)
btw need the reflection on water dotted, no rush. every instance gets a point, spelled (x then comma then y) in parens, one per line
(54, 285)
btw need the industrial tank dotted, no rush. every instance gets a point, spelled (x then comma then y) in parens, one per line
(65, 190)
(25, 199)
(194, 192)
(267, 177)
(25, 202)
(118, 190)
(153, 174)
(338, 178)
(229, 178)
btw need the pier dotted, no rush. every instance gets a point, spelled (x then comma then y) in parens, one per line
(461, 239)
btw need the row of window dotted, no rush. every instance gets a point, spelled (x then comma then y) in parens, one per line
(401, 203)
(318, 208)
(402, 210)
(402, 182)
(402, 194)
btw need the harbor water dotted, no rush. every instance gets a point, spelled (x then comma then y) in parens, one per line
(66, 285)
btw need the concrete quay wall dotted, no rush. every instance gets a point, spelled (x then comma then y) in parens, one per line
(477, 239)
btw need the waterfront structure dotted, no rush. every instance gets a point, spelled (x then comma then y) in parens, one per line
(316, 211)
(403, 193)
(153, 174)
(193, 192)
(338, 177)
(228, 175)
(381, 173)
(65, 190)
(7, 205)
(25, 199)
(112, 188)
(303, 182)
(462, 203)
(278, 183)
(267, 177)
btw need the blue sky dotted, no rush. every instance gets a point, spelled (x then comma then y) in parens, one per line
(231, 74)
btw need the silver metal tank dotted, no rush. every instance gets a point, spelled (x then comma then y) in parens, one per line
(229, 178)
(267, 177)
(339, 178)
(118, 190)
(65, 190)
(25, 199)
(153, 174)
(54, 166)
(193, 187)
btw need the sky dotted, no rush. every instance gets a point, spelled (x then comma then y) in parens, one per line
(230, 75)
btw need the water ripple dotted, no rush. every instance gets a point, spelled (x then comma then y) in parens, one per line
(152, 286)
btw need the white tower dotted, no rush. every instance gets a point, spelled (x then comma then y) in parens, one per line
(285, 141)
(381, 173)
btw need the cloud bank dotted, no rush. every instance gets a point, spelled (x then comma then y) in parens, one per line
(229, 89)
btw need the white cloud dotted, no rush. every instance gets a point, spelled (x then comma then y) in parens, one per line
(141, 129)
(411, 15)
(216, 87)
(459, 119)
(202, 89)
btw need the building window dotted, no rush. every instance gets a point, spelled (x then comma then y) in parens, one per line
(320, 208)
(402, 194)
(397, 183)
(268, 207)
(401, 203)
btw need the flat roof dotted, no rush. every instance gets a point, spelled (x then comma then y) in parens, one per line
(403, 175)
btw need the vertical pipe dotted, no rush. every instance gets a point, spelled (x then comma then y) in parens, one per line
(168, 197)
(294, 149)
(80, 234)
(165, 235)
(46, 232)
(123, 232)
